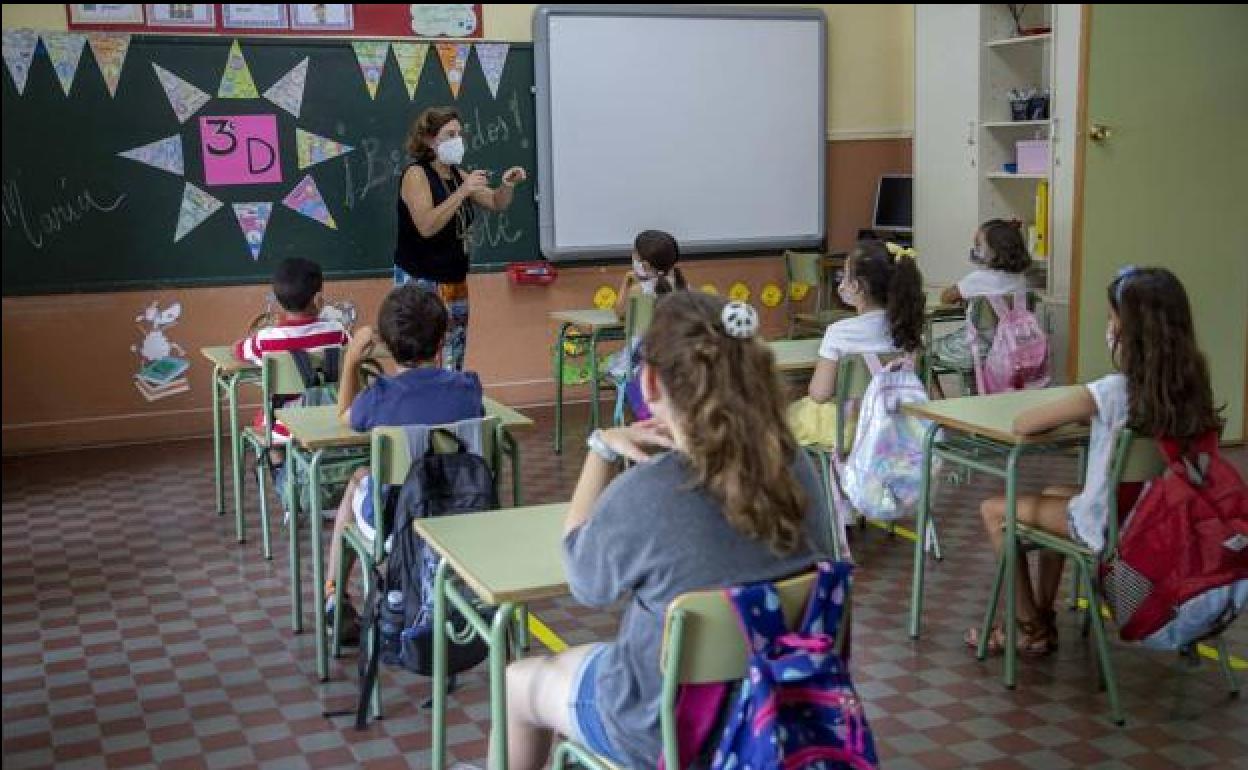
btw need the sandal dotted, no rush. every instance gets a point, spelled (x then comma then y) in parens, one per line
(1033, 639)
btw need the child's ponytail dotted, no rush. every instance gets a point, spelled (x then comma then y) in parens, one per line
(906, 300)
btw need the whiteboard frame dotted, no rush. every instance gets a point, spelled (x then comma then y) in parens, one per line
(545, 166)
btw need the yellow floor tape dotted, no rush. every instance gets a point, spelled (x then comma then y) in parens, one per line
(543, 634)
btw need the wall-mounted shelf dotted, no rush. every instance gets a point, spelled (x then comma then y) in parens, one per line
(1016, 124)
(1008, 175)
(1010, 42)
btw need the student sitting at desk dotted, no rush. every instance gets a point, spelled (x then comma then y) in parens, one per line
(412, 324)
(882, 283)
(720, 496)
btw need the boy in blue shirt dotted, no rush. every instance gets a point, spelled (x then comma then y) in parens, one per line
(412, 324)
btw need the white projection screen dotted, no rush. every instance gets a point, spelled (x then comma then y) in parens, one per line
(706, 122)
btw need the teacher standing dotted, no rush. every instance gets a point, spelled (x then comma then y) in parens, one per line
(436, 210)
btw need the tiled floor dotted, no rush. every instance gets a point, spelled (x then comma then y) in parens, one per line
(137, 633)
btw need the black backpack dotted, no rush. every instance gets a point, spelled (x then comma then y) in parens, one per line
(438, 484)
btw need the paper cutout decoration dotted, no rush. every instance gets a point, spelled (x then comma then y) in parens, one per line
(312, 149)
(19, 52)
(164, 154)
(771, 295)
(197, 206)
(604, 298)
(739, 292)
(454, 58)
(709, 288)
(411, 58)
(65, 51)
(109, 49)
(184, 98)
(799, 290)
(287, 92)
(236, 82)
(371, 55)
(306, 199)
(493, 59)
(253, 218)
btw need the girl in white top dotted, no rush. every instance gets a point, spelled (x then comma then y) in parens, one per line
(1001, 260)
(1162, 388)
(882, 283)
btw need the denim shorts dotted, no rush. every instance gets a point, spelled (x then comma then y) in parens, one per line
(585, 718)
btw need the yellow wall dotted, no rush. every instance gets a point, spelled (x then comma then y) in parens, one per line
(870, 59)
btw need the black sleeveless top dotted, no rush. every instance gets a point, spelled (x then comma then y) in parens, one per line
(444, 256)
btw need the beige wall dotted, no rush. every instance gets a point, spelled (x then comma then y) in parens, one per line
(870, 59)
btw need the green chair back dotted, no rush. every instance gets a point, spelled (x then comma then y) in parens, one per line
(280, 378)
(1136, 459)
(852, 378)
(803, 267)
(637, 319)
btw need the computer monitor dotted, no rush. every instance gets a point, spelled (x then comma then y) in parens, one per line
(893, 201)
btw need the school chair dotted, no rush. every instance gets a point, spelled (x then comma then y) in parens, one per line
(806, 269)
(390, 460)
(636, 322)
(280, 379)
(703, 644)
(1133, 461)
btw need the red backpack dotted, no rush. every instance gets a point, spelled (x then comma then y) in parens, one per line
(1180, 573)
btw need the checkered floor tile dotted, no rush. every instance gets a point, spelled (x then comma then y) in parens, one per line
(137, 633)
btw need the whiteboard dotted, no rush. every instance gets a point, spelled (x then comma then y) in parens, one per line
(707, 123)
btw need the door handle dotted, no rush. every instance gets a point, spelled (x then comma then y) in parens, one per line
(1099, 132)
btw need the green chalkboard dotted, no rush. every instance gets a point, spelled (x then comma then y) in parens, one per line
(78, 216)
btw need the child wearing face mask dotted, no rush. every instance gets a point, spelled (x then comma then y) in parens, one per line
(1000, 261)
(881, 281)
(1161, 388)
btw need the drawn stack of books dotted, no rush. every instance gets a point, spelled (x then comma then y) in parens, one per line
(162, 378)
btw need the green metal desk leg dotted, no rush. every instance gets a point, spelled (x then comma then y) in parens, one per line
(560, 341)
(438, 758)
(236, 458)
(218, 471)
(512, 448)
(318, 565)
(593, 380)
(499, 633)
(1011, 567)
(920, 527)
(293, 458)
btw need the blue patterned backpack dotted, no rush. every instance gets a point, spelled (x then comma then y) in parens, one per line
(797, 708)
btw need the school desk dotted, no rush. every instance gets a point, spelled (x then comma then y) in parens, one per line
(313, 431)
(597, 326)
(228, 372)
(978, 434)
(508, 558)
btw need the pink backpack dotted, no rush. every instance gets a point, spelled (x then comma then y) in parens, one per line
(1019, 356)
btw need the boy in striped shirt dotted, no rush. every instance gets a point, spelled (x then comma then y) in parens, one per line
(297, 286)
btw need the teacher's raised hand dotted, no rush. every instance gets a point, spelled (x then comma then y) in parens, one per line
(514, 176)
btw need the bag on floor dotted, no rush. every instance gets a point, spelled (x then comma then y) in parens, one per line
(438, 484)
(1180, 573)
(882, 477)
(1019, 356)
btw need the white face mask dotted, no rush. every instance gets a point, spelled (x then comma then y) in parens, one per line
(846, 294)
(451, 151)
(639, 270)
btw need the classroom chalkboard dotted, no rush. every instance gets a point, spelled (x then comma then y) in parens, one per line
(79, 215)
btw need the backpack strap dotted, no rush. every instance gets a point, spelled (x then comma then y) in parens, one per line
(827, 599)
(1020, 301)
(332, 366)
(873, 363)
(999, 307)
(303, 362)
(469, 434)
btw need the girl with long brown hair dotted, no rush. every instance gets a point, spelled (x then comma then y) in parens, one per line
(720, 495)
(1161, 389)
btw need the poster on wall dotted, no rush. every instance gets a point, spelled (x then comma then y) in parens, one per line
(446, 20)
(106, 14)
(322, 17)
(188, 15)
(254, 16)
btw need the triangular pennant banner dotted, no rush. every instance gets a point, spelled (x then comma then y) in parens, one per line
(287, 93)
(19, 52)
(236, 82)
(184, 98)
(164, 154)
(312, 149)
(197, 206)
(411, 59)
(493, 59)
(109, 49)
(253, 218)
(65, 51)
(306, 199)
(371, 55)
(454, 58)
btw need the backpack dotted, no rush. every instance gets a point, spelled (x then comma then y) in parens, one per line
(797, 708)
(1019, 356)
(437, 485)
(320, 385)
(1180, 572)
(320, 388)
(882, 476)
